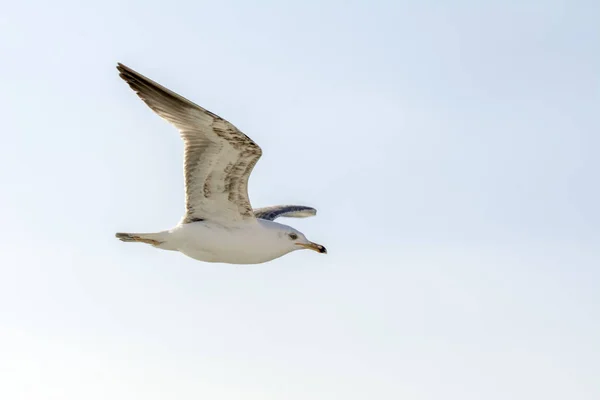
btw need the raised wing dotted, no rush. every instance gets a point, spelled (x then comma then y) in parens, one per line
(272, 213)
(218, 157)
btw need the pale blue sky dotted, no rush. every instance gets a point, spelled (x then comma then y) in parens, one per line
(450, 147)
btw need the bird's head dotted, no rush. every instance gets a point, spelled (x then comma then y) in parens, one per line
(288, 238)
(299, 241)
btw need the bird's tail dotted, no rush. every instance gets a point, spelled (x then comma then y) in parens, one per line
(150, 238)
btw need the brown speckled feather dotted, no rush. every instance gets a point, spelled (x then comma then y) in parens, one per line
(218, 157)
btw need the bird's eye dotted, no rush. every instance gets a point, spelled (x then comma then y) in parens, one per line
(293, 236)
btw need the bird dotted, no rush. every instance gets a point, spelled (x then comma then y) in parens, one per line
(219, 224)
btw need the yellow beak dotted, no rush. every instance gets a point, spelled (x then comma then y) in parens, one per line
(313, 246)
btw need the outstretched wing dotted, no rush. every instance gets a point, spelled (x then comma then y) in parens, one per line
(218, 157)
(271, 213)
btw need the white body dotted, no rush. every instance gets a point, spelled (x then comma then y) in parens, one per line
(252, 242)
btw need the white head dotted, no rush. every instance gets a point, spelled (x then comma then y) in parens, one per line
(291, 239)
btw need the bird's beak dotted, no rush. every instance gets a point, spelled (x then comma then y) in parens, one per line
(313, 246)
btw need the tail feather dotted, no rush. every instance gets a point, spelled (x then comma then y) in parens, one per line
(159, 239)
(125, 237)
(138, 237)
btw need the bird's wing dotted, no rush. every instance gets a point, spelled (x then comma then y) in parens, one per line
(271, 213)
(218, 157)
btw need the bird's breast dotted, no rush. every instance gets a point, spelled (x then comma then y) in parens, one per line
(245, 243)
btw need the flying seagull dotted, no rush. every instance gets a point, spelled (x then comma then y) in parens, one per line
(219, 225)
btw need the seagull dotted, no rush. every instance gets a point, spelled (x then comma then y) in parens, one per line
(219, 225)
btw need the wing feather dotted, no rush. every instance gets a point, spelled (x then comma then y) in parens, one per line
(288, 211)
(218, 157)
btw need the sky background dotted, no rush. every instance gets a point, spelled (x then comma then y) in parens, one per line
(451, 149)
